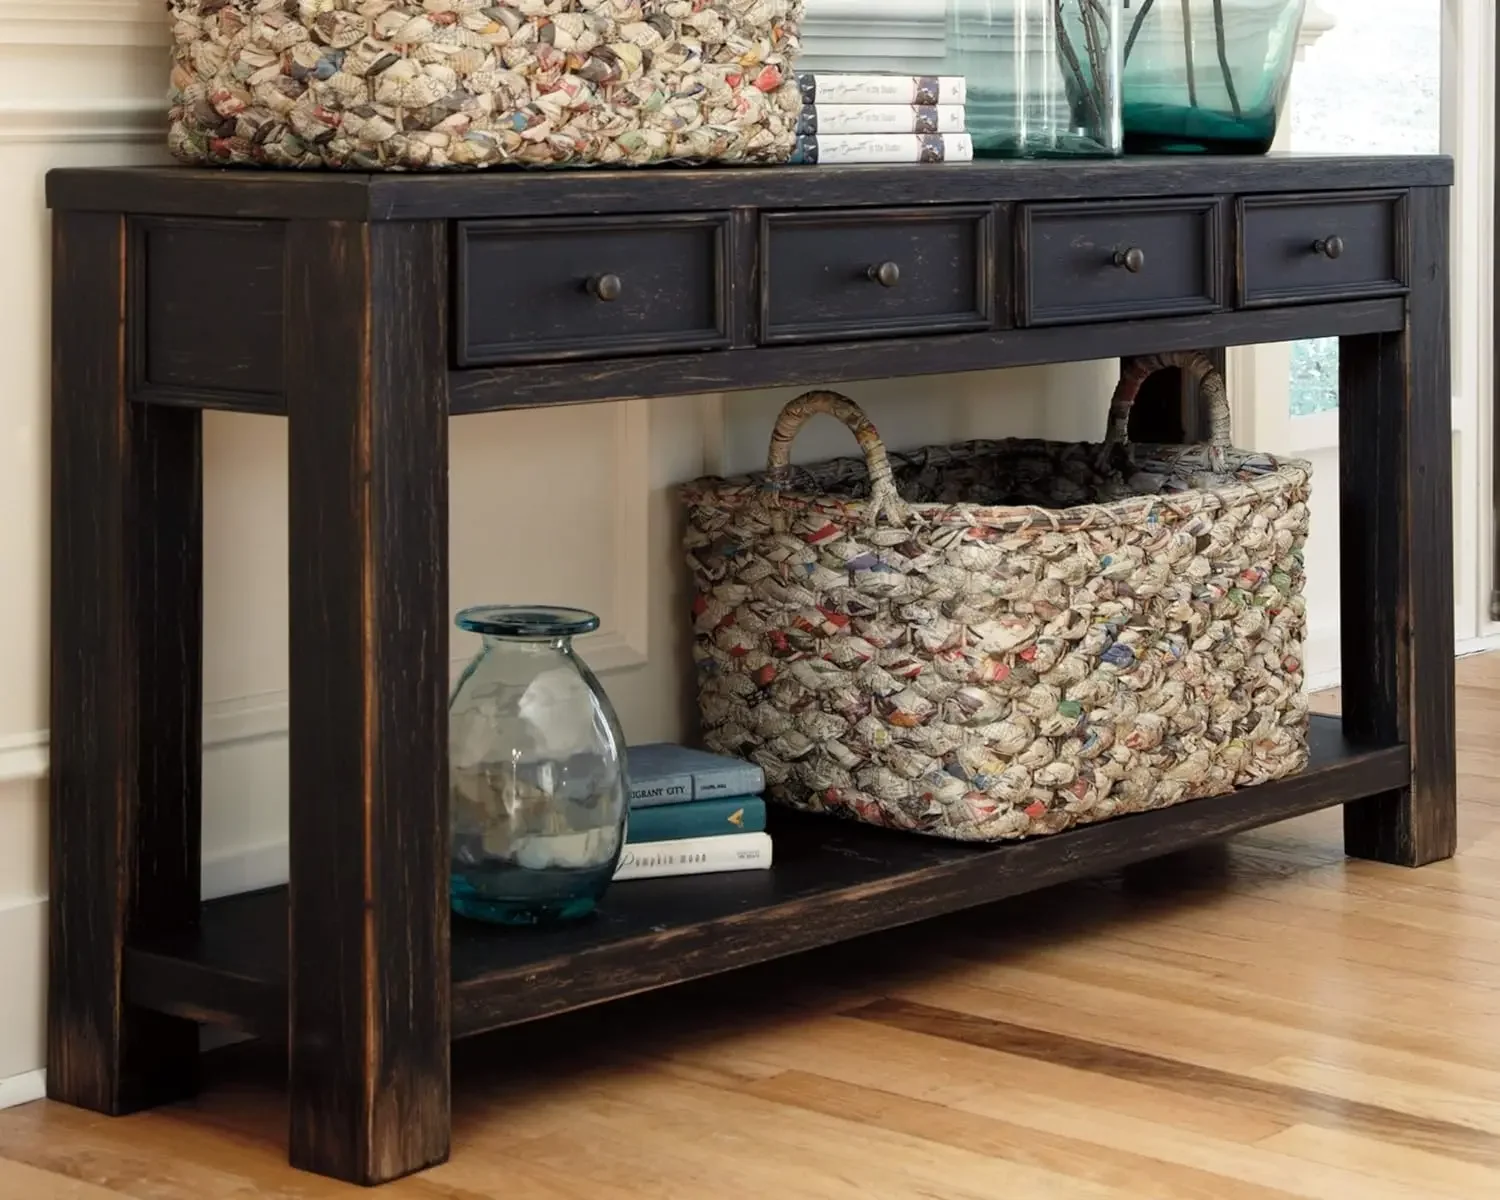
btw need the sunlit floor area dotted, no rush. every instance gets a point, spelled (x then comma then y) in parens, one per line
(1262, 1019)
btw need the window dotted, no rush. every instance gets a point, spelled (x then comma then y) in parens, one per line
(1371, 83)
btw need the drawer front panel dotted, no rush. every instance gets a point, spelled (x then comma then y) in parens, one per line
(875, 272)
(1118, 260)
(539, 290)
(1321, 247)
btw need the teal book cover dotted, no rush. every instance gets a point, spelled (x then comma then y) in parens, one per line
(665, 773)
(697, 818)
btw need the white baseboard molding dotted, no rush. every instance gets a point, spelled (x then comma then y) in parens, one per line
(246, 870)
(1332, 677)
(1478, 645)
(1320, 656)
(23, 757)
(23, 1088)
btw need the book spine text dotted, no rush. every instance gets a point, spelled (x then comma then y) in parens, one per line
(695, 856)
(835, 148)
(836, 88)
(880, 118)
(663, 789)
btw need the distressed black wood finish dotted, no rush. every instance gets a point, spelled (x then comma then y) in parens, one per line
(1117, 260)
(289, 194)
(550, 289)
(367, 302)
(126, 698)
(834, 275)
(215, 292)
(1321, 247)
(366, 352)
(1396, 541)
(833, 880)
(494, 389)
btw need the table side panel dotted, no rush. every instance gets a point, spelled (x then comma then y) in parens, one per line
(206, 308)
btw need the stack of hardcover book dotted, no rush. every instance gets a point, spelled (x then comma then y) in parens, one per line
(882, 119)
(693, 813)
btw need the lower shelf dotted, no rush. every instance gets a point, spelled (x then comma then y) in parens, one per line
(832, 880)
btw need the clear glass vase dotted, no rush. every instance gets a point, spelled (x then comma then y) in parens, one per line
(1042, 76)
(1207, 76)
(537, 771)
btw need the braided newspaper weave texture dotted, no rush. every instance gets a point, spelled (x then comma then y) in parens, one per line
(382, 84)
(1003, 638)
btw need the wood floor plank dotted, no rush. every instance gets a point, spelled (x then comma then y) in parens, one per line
(1282, 1103)
(21, 1182)
(1135, 1174)
(1240, 1039)
(978, 1082)
(1421, 1053)
(1257, 1020)
(1435, 1175)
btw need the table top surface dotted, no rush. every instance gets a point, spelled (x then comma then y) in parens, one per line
(338, 195)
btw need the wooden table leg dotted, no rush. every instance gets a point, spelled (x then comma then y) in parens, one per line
(1396, 536)
(367, 401)
(126, 703)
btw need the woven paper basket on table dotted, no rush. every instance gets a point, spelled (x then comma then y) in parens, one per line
(431, 84)
(1000, 639)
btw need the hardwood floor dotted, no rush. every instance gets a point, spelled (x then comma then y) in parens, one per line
(1261, 1020)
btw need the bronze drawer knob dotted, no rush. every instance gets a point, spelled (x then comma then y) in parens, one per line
(887, 274)
(1330, 247)
(606, 287)
(1133, 259)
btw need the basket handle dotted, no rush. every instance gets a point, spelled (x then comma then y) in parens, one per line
(884, 499)
(1135, 372)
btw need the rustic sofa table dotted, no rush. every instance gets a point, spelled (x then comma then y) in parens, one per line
(367, 310)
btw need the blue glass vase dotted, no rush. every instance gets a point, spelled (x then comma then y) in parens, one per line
(538, 795)
(1207, 76)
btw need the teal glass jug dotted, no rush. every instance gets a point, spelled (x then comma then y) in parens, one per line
(537, 771)
(1206, 76)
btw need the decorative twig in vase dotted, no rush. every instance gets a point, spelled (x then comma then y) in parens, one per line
(1220, 41)
(1087, 88)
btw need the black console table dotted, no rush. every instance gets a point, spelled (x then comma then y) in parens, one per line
(368, 310)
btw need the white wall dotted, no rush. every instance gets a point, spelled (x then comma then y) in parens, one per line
(79, 83)
(84, 85)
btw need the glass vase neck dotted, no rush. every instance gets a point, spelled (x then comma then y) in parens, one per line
(497, 643)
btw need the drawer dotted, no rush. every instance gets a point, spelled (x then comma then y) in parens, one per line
(1321, 247)
(1120, 259)
(875, 272)
(536, 290)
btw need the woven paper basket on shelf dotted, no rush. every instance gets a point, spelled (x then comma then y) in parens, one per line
(433, 84)
(1000, 639)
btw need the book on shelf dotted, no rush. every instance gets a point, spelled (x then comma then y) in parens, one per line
(819, 87)
(880, 118)
(695, 856)
(697, 818)
(665, 773)
(850, 148)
